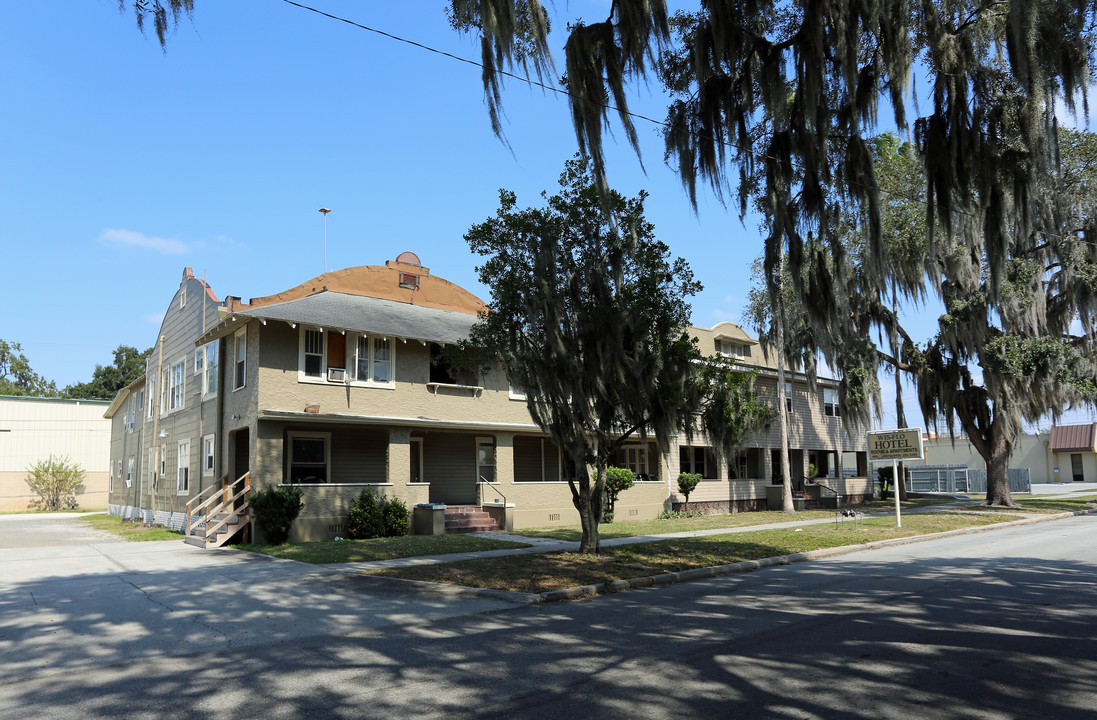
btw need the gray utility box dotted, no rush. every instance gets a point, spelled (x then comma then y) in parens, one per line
(429, 519)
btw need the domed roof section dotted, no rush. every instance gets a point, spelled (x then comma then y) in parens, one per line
(402, 280)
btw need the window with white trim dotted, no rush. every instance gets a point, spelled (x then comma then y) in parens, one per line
(182, 484)
(163, 460)
(345, 358)
(830, 402)
(151, 396)
(515, 391)
(240, 368)
(788, 397)
(129, 472)
(151, 471)
(309, 457)
(205, 368)
(635, 458)
(727, 348)
(209, 456)
(110, 477)
(172, 396)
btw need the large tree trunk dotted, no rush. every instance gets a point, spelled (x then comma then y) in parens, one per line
(998, 492)
(586, 497)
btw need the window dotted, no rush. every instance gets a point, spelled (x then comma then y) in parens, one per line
(151, 471)
(110, 477)
(635, 458)
(152, 396)
(209, 355)
(485, 459)
(409, 281)
(830, 402)
(516, 391)
(174, 383)
(163, 460)
(183, 462)
(119, 475)
(183, 295)
(313, 349)
(358, 358)
(733, 350)
(209, 448)
(788, 397)
(131, 417)
(373, 360)
(536, 459)
(129, 473)
(443, 372)
(417, 460)
(309, 457)
(241, 342)
(697, 460)
(746, 464)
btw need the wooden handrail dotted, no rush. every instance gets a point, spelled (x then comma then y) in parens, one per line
(219, 502)
(191, 511)
(211, 530)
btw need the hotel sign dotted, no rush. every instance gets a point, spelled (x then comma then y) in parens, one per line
(903, 444)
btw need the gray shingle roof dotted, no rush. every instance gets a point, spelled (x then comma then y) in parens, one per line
(356, 313)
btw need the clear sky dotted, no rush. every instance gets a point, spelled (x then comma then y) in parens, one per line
(121, 164)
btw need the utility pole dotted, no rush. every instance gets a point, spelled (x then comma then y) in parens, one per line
(325, 211)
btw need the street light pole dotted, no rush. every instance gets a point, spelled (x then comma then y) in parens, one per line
(325, 211)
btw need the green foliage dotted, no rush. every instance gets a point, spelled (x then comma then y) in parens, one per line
(884, 479)
(164, 14)
(275, 509)
(687, 483)
(679, 514)
(365, 519)
(56, 480)
(107, 380)
(372, 517)
(16, 376)
(617, 481)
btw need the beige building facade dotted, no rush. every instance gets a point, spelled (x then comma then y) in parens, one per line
(32, 429)
(1064, 454)
(342, 384)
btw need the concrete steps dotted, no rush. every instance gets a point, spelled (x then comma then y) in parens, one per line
(469, 519)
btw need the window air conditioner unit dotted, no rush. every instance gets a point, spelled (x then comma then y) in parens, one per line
(337, 375)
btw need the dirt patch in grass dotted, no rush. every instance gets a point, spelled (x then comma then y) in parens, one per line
(555, 571)
(130, 529)
(343, 551)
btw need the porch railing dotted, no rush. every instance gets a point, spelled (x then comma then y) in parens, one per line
(219, 510)
(480, 487)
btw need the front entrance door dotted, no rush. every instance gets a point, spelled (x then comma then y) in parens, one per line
(1076, 467)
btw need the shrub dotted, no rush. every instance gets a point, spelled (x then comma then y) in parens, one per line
(678, 514)
(395, 513)
(275, 509)
(372, 517)
(56, 480)
(687, 482)
(365, 519)
(617, 481)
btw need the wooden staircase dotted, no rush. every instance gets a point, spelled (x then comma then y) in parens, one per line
(219, 513)
(469, 519)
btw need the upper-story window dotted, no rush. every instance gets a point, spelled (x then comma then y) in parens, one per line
(830, 402)
(205, 368)
(172, 396)
(337, 357)
(240, 374)
(788, 397)
(727, 348)
(444, 372)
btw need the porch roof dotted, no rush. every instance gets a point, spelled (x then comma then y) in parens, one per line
(356, 313)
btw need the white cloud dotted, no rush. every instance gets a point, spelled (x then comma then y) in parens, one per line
(129, 238)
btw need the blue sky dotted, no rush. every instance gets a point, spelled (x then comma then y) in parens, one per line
(122, 164)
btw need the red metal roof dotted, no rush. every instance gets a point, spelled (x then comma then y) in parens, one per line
(1073, 438)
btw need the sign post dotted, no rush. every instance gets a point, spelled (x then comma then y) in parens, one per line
(895, 445)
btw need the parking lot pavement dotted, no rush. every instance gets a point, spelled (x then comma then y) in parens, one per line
(28, 530)
(69, 607)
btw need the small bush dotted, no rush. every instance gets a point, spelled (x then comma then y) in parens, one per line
(679, 514)
(395, 513)
(365, 519)
(372, 517)
(617, 481)
(56, 480)
(275, 509)
(687, 482)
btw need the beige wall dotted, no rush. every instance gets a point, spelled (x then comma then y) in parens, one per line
(32, 429)
(1030, 451)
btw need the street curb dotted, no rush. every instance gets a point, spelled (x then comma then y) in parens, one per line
(752, 565)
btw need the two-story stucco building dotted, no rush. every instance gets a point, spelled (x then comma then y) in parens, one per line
(341, 384)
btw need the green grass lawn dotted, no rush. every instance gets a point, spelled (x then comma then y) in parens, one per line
(129, 529)
(554, 571)
(342, 551)
(633, 528)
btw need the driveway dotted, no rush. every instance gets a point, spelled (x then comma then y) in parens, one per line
(29, 530)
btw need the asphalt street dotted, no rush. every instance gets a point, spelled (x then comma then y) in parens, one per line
(992, 625)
